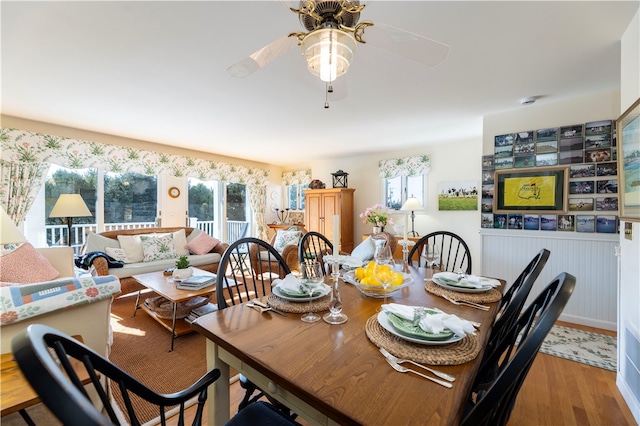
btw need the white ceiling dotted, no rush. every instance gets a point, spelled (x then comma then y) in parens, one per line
(156, 71)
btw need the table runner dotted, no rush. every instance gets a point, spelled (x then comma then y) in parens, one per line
(455, 353)
(489, 296)
(317, 305)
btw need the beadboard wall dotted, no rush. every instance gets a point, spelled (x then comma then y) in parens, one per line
(591, 257)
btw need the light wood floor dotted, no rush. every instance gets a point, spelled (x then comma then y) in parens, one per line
(555, 392)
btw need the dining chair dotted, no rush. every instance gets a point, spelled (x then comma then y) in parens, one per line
(241, 279)
(515, 352)
(45, 357)
(511, 305)
(454, 252)
(313, 245)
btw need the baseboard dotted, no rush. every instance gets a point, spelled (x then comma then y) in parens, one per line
(589, 322)
(629, 398)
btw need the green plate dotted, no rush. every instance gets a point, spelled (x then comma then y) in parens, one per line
(317, 292)
(407, 328)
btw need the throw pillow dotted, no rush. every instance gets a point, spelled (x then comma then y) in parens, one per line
(157, 248)
(132, 245)
(26, 265)
(284, 238)
(96, 242)
(203, 243)
(180, 243)
(193, 234)
(117, 254)
(365, 250)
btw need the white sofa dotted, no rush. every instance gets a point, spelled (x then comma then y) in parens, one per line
(76, 306)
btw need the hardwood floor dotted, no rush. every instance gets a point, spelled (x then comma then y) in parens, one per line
(555, 392)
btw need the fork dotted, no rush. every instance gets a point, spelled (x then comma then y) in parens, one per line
(264, 308)
(465, 303)
(400, 361)
(402, 369)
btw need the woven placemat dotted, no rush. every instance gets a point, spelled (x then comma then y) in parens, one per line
(455, 353)
(317, 305)
(490, 296)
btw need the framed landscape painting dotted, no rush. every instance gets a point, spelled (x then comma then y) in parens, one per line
(628, 127)
(537, 190)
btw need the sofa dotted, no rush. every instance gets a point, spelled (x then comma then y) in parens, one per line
(75, 305)
(122, 242)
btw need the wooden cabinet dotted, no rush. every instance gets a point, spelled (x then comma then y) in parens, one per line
(320, 207)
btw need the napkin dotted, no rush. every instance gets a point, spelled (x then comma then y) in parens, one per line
(290, 284)
(473, 281)
(434, 323)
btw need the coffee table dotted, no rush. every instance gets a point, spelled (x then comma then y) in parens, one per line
(165, 286)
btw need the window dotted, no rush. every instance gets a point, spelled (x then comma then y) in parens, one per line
(295, 196)
(400, 188)
(130, 197)
(205, 206)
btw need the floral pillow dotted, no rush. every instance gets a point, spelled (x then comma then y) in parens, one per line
(157, 248)
(284, 238)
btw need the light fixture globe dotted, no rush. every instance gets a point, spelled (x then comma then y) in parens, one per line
(328, 52)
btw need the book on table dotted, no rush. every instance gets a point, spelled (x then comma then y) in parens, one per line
(197, 282)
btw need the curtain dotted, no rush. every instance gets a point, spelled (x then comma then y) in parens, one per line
(258, 201)
(299, 177)
(407, 166)
(19, 146)
(20, 185)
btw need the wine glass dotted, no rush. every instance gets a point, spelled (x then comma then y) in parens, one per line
(431, 255)
(312, 273)
(384, 267)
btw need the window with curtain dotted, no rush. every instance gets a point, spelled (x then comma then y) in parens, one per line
(404, 178)
(295, 183)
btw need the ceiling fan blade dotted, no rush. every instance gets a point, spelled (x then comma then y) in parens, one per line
(408, 45)
(261, 58)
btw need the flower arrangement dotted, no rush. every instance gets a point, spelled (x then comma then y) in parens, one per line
(376, 215)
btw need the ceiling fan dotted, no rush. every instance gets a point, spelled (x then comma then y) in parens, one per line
(333, 31)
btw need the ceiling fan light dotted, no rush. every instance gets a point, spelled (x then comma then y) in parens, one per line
(328, 53)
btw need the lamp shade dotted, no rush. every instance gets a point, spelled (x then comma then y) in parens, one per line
(328, 52)
(412, 204)
(9, 232)
(70, 205)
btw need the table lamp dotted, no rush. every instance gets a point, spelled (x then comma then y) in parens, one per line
(9, 232)
(412, 204)
(70, 206)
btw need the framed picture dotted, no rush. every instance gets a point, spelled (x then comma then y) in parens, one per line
(537, 190)
(628, 128)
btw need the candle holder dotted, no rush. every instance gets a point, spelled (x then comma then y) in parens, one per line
(335, 315)
(405, 254)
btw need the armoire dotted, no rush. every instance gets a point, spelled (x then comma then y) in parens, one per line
(320, 207)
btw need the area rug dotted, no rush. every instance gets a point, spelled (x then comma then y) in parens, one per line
(598, 350)
(140, 346)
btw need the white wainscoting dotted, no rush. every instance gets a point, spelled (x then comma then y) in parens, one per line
(591, 258)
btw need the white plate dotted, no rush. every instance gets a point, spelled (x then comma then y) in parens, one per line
(462, 289)
(325, 290)
(384, 322)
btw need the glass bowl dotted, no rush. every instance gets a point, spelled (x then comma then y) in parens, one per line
(376, 290)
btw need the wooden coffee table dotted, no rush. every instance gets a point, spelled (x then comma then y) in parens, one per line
(165, 286)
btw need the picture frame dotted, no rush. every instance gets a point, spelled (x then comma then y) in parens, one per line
(534, 190)
(628, 143)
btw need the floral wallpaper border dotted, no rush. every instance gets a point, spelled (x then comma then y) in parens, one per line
(406, 166)
(298, 177)
(20, 146)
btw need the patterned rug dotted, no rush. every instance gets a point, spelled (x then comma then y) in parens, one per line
(598, 350)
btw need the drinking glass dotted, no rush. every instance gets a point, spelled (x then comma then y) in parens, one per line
(312, 277)
(431, 255)
(384, 268)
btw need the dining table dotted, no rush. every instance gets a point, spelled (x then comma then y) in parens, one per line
(335, 374)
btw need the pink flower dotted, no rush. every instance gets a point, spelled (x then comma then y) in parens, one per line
(8, 317)
(91, 292)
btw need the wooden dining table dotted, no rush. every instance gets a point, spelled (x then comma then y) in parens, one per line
(335, 374)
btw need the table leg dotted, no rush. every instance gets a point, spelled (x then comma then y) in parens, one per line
(135, 308)
(219, 400)
(26, 418)
(173, 324)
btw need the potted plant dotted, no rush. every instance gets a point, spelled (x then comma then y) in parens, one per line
(183, 269)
